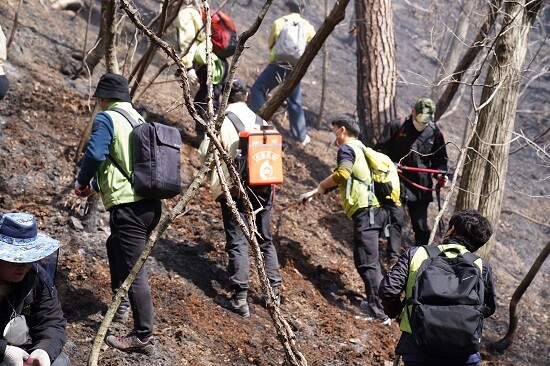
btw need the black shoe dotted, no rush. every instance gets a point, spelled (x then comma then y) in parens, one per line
(132, 344)
(238, 306)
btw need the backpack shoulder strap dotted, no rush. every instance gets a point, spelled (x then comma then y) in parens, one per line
(470, 257)
(126, 115)
(237, 123)
(432, 250)
(133, 123)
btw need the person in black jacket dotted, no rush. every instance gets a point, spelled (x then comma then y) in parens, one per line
(419, 143)
(467, 231)
(30, 312)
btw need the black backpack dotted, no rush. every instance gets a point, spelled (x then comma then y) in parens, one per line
(156, 159)
(447, 309)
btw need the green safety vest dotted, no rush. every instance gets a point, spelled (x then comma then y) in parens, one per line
(355, 192)
(114, 187)
(419, 256)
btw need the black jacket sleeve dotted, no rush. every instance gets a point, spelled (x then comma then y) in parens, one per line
(393, 285)
(440, 158)
(490, 295)
(385, 141)
(46, 321)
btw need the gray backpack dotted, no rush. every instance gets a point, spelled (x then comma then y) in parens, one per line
(156, 160)
(291, 43)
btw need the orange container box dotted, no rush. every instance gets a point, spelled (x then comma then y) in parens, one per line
(265, 160)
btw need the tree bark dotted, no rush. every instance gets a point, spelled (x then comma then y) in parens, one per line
(376, 69)
(467, 60)
(482, 184)
(93, 59)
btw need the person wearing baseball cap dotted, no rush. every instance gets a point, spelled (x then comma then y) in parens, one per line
(241, 118)
(29, 307)
(417, 143)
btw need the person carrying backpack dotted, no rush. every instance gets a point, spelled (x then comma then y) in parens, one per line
(298, 32)
(131, 217)
(442, 327)
(353, 177)
(236, 246)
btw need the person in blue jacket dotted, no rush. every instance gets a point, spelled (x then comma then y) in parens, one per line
(132, 217)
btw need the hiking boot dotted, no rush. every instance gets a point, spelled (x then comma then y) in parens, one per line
(372, 315)
(131, 343)
(122, 314)
(238, 306)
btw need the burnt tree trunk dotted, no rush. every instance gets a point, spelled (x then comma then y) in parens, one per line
(376, 69)
(483, 179)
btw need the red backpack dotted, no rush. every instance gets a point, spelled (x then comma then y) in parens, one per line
(224, 34)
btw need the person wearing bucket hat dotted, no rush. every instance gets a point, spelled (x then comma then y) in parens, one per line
(132, 217)
(418, 143)
(238, 268)
(29, 307)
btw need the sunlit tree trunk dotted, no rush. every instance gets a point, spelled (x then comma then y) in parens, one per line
(483, 180)
(376, 69)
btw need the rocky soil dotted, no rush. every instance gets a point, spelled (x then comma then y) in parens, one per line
(45, 113)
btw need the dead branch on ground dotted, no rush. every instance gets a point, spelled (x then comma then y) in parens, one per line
(508, 339)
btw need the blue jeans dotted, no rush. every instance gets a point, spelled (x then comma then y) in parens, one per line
(274, 74)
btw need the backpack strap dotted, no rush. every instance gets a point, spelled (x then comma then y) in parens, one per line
(126, 115)
(432, 250)
(133, 123)
(238, 124)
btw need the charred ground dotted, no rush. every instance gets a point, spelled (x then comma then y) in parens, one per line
(42, 120)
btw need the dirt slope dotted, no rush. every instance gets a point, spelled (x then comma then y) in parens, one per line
(41, 121)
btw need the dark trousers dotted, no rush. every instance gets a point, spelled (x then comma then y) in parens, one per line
(131, 225)
(418, 211)
(4, 86)
(396, 227)
(236, 245)
(365, 253)
(201, 98)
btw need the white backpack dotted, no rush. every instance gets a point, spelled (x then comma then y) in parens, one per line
(291, 43)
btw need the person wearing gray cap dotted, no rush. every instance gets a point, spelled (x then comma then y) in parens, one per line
(29, 307)
(132, 217)
(236, 246)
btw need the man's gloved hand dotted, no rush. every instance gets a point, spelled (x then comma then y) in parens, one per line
(14, 356)
(40, 358)
(192, 76)
(442, 180)
(82, 190)
(307, 197)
